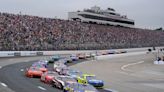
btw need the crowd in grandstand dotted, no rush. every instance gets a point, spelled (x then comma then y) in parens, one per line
(23, 32)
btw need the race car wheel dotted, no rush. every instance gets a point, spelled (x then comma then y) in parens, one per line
(60, 86)
(30, 76)
(53, 84)
(46, 81)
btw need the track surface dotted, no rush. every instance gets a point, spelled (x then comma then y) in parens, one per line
(13, 76)
(16, 80)
(128, 74)
(124, 74)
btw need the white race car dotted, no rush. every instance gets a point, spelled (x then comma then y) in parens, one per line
(61, 81)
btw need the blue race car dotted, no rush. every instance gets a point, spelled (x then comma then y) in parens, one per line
(54, 58)
(90, 79)
(74, 57)
(41, 63)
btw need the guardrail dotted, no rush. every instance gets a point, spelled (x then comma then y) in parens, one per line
(107, 57)
(46, 53)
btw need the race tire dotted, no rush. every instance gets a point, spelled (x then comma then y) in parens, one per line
(53, 85)
(30, 76)
(60, 86)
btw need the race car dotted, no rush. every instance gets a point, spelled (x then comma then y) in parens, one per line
(62, 61)
(93, 54)
(62, 70)
(121, 51)
(68, 59)
(74, 73)
(58, 66)
(116, 51)
(61, 81)
(104, 53)
(74, 57)
(41, 63)
(81, 56)
(111, 52)
(90, 79)
(88, 55)
(54, 58)
(40, 67)
(48, 76)
(33, 72)
(76, 87)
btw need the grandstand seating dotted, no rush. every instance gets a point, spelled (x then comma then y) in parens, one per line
(24, 32)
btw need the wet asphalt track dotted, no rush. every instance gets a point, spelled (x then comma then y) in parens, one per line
(13, 76)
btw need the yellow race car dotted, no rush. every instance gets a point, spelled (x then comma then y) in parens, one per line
(90, 79)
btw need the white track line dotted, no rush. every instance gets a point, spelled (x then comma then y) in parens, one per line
(131, 64)
(3, 84)
(0, 67)
(41, 88)
(21, 70)
(110, 90)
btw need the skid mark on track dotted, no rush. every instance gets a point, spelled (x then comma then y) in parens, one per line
(41, 88)
(131, 64)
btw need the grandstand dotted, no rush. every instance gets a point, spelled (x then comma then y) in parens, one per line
(24, 32)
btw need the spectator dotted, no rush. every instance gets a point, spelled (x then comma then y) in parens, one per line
(23, 32)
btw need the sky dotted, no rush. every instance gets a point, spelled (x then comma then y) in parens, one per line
(146, 13)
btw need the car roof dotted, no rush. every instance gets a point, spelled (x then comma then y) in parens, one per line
(88, 75)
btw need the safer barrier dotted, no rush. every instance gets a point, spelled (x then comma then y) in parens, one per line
(45, 53)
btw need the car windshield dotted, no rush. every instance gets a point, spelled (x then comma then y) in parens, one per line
(34, 69)
(37, 65)
(90, 77)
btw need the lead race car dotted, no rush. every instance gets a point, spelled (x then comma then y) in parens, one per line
(90, 79)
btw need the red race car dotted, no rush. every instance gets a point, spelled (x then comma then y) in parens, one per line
(33, 72)
(81, 56)
(48, 76)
